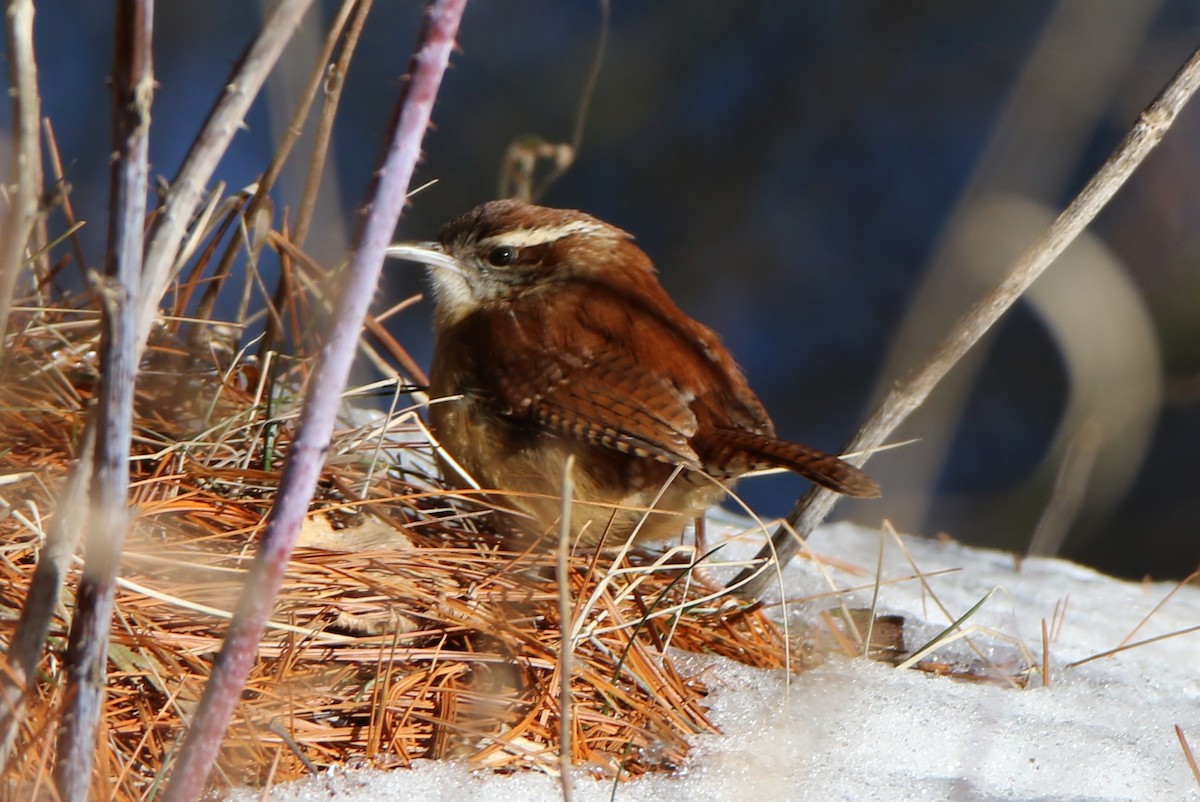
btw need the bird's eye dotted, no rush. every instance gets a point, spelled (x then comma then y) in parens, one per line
(502, 255)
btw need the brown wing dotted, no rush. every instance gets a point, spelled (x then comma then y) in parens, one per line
(617, 403)
(600, 380)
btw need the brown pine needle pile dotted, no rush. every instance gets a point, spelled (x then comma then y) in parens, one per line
(404, 629)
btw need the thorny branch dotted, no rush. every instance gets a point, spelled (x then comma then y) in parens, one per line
(306, 457)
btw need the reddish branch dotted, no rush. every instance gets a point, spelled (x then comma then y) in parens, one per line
(299, 478)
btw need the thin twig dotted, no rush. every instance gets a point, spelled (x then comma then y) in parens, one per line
(60, 179)
(26, 154)
(910, 393)
(37, 612)
(87, 647)
(223, 122)
(334, 80)
(585, 105)
(566, 645)
(300, 473)
(261, 197)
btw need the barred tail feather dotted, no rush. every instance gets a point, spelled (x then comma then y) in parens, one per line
(759, 452)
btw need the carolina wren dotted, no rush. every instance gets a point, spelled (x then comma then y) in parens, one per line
(553, 330)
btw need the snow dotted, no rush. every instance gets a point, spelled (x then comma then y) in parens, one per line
(855, 729)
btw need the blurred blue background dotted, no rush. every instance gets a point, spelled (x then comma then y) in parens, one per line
(826, 184)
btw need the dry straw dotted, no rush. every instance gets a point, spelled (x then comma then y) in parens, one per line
(404, 629)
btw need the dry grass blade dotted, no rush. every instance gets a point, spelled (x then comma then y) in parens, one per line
(1192, 577)
(868, 640)
(954, 631)
(403, 633)
(1188, 753)
(1136, 644)
(1045, 655)
(73, 225)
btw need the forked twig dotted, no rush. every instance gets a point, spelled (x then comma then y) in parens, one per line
(223, 122)
(911, 392)
(181, 203)
(385, 199)
(524, 154)
(260, 200)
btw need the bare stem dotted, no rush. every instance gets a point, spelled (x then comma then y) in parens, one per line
(37, 611)
(566, 652)
(14, 234)
(68, 208)
(332, 77)
(26, 154)
(335, 80)
(300, 473)
(64, 534)
(87, 646)
(911, 392)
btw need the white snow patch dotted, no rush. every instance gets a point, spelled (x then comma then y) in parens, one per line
(854, 729)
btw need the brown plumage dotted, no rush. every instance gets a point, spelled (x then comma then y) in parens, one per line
(552, 327)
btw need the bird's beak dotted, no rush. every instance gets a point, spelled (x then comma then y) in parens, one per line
(427, 253)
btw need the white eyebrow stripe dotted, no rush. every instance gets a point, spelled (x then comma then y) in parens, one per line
(527, 237)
